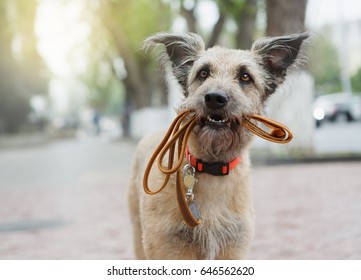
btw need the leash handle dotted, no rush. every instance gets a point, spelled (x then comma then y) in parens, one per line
(280, 133)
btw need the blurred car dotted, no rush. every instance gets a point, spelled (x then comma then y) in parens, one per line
(331, 107)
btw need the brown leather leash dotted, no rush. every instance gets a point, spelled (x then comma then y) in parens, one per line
(279, 133)
(177, 137)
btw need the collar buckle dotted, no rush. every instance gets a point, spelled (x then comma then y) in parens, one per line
(213, 168)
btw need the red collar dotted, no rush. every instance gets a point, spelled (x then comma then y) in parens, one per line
(213, 168)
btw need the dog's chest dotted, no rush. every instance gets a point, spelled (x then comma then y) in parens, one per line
(224, 204)
(212, 238)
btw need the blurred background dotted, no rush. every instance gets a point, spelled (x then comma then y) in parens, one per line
(77, 92)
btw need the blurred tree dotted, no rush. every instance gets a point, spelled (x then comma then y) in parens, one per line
(325, 66)
(245, 18)
(121, 26)
(105, 91)
(188, 12)
(241, 12)
(356, 82)
(285, 16)
(21, 68)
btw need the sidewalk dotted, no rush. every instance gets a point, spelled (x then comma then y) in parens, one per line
(308, 211)
(303, 211)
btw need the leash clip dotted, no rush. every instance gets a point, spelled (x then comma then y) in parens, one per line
(189, 181)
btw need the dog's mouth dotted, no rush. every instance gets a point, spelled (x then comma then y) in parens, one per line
(217, 121)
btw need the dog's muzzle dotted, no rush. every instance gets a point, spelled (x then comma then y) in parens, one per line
(215, 102)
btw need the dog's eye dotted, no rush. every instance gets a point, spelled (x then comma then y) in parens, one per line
(203, 74)
(245, 78)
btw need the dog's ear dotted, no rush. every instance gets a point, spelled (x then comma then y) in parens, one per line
(278, 53)
(181, 50)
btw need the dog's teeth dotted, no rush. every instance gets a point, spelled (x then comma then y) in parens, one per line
(215, 121)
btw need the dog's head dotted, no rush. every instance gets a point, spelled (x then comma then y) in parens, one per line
(223, 85)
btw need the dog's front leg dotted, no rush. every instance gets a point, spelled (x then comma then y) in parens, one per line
(158, 250)
(168, 243)
(164, 233)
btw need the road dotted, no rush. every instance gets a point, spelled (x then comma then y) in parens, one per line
(66, 200)
(338, 137)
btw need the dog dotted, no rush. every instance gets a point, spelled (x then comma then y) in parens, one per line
(220, 86)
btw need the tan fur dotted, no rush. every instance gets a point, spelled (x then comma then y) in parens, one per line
(225, 202)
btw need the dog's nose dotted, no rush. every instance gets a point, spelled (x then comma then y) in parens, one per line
(215, 99)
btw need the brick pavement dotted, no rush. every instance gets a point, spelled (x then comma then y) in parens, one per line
(303, 211)
(308, 211)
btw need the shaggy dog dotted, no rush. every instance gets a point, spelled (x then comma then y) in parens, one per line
(220, 86)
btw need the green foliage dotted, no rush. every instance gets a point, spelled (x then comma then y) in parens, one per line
(356, 82)
(21, 68)
(234, 8)
(138, 19)
(105, 93)
(119, 27)
(325, 66)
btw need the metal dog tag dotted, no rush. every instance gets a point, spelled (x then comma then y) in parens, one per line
(188, 170)
(189, 181)
(194, 210)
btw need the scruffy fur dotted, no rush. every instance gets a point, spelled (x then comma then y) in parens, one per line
(244, 79)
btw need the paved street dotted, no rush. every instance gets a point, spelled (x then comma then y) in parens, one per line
(65, 200)
(308, 211)
(338, 137)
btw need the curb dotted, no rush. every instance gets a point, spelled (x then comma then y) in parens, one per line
(259, 161)
(8, 142)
